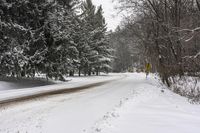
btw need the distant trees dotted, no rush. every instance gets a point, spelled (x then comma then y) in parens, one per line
(52, 38)
(128, 52)
(168, 31)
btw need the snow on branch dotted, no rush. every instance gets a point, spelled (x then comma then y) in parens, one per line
(190, 33)
(193, 56)
(198, 54)
(20, 27)
(190, 30)
(14, 25)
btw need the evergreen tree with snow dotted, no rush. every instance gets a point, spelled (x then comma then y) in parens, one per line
(51, 38)
(62, 52)
(35, 37)
(100, 55)
(22, 24)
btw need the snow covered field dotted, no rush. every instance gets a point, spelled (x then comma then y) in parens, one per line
(129, 104)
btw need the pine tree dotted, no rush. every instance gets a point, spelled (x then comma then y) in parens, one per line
(100, 52)
(62, 52)
(49, 37)
(15, 36)
(26, 35)
(101, 44)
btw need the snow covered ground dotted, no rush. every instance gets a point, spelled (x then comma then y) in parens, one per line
(130, 104)
(11, 89)
(19, 84)
(13, 84)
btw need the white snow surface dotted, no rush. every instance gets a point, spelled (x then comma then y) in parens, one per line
(10, 84)
(11, 90)
(132, 104)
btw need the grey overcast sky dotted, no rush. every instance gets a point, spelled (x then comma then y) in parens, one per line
(112, 18)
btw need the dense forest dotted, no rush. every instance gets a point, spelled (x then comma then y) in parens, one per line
(52, 37)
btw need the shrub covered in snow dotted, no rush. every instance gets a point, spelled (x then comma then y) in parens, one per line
(188, 87)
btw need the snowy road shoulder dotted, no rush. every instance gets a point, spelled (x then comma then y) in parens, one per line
(75, 84)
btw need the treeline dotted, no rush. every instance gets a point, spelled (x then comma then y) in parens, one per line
(52, 37)
(168, 32)
(127, 51)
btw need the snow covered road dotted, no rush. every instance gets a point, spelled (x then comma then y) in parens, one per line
(131, 104)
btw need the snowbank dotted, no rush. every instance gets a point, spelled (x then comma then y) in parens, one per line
(9, 94)
(10, 84)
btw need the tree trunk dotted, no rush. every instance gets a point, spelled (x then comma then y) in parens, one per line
(79, 72)
(71, 73)
(97, 72)
(89, 72)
